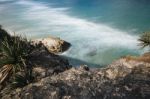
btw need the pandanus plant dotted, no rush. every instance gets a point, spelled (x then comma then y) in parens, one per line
(15, 52)
(145, 40)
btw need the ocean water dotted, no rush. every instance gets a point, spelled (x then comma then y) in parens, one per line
(100, 31)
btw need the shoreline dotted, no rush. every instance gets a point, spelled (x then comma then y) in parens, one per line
(55, 78)
(45, 41)
(95, 51)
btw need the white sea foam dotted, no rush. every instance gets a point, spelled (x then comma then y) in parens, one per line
(57, 20)
(5, 0)
(85, 36)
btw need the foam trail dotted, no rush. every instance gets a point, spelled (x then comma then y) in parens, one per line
(87, 38)
(57, 18)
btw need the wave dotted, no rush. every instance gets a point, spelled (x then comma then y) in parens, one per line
(87, 38)
(57, 20)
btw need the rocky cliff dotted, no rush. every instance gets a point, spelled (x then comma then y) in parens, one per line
(123, 79)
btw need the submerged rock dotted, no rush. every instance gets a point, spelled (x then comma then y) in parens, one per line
(54, 45)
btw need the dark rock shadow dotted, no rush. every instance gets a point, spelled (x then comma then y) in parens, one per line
(77, 62)
(3, 34)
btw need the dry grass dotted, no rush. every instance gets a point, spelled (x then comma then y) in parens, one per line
(144, 58)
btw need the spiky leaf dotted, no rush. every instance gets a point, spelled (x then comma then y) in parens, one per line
(145, 39)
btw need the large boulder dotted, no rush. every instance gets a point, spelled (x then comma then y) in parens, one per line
(54, 45)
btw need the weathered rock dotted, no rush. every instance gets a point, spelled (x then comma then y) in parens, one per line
(46, 64)
(72, 84)
(126, 78)
(135, 85)
(120, 80)
(54, 45)
(122, 67)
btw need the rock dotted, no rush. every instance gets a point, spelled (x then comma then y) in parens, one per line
(117, 69)
(71, 84)
(54, 45)
(84, 67)
(123, 79)
(122, 67)
(135, 85)
(46, 64)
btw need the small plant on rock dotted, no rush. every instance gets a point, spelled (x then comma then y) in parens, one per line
(14, 65)
(145, 40)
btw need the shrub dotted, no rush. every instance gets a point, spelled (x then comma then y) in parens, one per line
(145, 40)
(14, 63)
(3, 34)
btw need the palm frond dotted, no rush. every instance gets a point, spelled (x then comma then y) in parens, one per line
(16, 51)
(19, 81)
(145, 40)
(5, 48)
(8, 60)
(4, 72)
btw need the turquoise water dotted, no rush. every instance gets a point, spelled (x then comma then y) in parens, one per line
(100, 31)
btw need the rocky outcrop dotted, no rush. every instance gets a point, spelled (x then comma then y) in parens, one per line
(76, 83)
(135, 85)
(54, 45)
(122, 67)
(121, 80)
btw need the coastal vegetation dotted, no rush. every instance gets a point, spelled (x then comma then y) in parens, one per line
(15, 60)
(145, 39)
(15, 65)
(19, 57)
